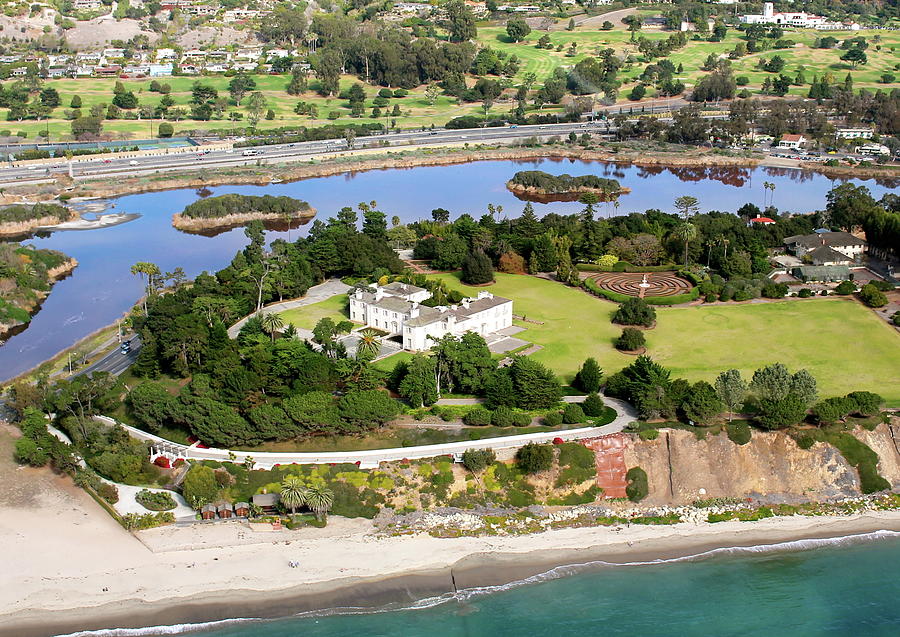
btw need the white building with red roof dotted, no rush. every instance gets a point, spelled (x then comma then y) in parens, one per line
(799, 19)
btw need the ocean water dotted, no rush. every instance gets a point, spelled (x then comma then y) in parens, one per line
(807, 588)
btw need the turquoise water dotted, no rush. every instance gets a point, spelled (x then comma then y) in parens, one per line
(842, 588)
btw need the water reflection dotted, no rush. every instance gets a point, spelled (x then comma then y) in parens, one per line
(102, 288)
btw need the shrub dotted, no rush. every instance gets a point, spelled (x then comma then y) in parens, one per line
(503, 416)
(155, 501)
(477, 460)
(401, 92)
(635, 311)
(772, 290)
(742, 80)
(165, 130)
(108, 492)
(866, 403)
(573, 414)
(637, 488)
(831, 410)
(631, 340)
(649, 434)
(533, 458)
(872, 296)
(845, 287)
(805, 293)
(593, 405)
(200, 486)
(521, 419)
(477, 268)
(589, 376)
(478, 417)
(553, 419)
(738, 432)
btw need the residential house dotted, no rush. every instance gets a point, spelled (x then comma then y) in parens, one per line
(165, 54)
(216, 67)
(792, 141)
(107, 71)
(189, 69)
(86, 5)
(397, 310)
(873, 149)
(844, 243)
(193, 55)
(160, 70)
(763, 221)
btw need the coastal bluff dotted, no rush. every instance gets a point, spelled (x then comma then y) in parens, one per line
(682, 469)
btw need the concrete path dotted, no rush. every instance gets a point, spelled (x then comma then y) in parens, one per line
(315, 294)
(370, 459)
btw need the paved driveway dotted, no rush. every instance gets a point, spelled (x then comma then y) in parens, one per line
(315, 294)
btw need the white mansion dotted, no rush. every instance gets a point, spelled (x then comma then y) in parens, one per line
(395, 308)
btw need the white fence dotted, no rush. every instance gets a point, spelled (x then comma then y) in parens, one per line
(370, 459)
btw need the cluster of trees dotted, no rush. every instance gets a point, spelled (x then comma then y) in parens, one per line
(233, 204)
(775, 398)
(19, 212)
(464, 364)
(24, 273)
(564, 183)
(258, 387)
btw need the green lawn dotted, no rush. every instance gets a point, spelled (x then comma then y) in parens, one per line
(844, 345)
(307, 316)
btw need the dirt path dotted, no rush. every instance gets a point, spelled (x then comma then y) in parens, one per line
(597, 21)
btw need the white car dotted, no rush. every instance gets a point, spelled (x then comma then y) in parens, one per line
(133, 163)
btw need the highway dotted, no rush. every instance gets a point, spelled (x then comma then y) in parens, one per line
(199, 157)
(115, 362)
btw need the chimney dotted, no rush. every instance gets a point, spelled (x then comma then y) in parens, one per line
(379, 293)
(465, 303)
(414, 310)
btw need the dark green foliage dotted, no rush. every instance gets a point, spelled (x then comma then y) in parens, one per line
(478, 417)
(553, 419)
(576, 464)
(845, 287)
(18, 212)
(534, 458)
(648, 434)
(593, 405)
(781, 413)
(638, 487)
(573, 414)
(418, 386)
(631, 340)
(867, 403)
(165, 130)
(155, 501)
(150, 405)
(233, 204)
(503, 416)
(872, 296)
(702, 404)
(498, 389)
(477, 460)
(831, 410)
(200, 486)
(560, 184)
(477, 269)
(738, 432)
(534, 386)
(635, 311)
(589, 376)
(29, 452)
(364, 410)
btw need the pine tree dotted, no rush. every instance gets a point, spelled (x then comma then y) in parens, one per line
(147, 364)
(589, 376)
(477, 268)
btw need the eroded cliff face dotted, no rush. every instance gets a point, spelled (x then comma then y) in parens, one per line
(885, 441)
(682, 469)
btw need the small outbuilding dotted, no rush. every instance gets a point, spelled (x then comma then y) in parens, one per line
(242, 509)
(823, 273)
(266, 501)
(225, 511)
(208, 512)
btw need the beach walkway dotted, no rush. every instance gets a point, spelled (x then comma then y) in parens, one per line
(370, 459)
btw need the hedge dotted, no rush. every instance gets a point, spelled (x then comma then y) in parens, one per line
(624, 266)
(687, 297)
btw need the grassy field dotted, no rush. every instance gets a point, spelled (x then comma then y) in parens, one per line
(307, 316)
(415, 109)
(844, 345)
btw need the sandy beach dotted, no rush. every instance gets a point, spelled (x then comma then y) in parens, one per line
(69, 566)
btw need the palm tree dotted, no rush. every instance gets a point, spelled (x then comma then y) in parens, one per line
(271, 324)
(319, 498)
(369, 343)
(686, 232)
(294, 493)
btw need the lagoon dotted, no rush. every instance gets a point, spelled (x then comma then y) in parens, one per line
(102, 289)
